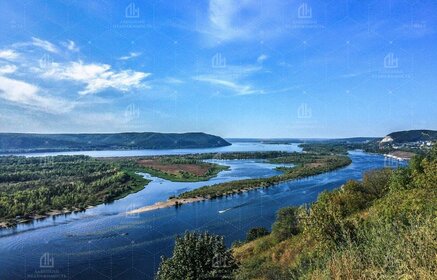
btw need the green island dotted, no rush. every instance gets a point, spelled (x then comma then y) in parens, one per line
(306, 164)
(188, 168)
(34, 187)
(383, 227)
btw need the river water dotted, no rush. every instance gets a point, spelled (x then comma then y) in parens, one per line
(105, 243)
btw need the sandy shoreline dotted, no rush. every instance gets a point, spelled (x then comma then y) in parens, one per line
(166, 204)
(49, 214)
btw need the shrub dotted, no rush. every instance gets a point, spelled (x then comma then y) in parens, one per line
(286, 224)
(198, 256)
(256, 233)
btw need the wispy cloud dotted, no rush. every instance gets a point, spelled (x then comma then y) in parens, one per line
(262, 58)
(239, 89)
(96, 77)
(46, 45)
(71, 46)
(27, 95)
(130, 56)
(229, 20)
(8, 54)
(233, 78)
(8, 69)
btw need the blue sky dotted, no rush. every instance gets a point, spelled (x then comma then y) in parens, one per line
(232, 68)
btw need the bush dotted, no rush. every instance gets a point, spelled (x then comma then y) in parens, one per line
(256, 233)
(286, 224)
(198, 256)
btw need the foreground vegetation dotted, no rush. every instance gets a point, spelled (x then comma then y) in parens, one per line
(384, 227)
(198, 256)
(36, 186)
(307, 164)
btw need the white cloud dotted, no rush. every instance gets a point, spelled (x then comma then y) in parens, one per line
(46, 45)
(239, 89)
(130, 56)
(8, 69)
(8, 54)
(261, 58)
(96, 77)
(71, 46)
(28, 95)
(229, 20)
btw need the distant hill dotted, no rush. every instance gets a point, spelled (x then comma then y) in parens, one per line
(410, 136)
(23, 142)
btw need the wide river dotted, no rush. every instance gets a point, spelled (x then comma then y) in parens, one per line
(105, 243)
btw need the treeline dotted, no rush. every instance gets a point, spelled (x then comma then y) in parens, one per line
(384, 227)
(307, 165)
(37, 185)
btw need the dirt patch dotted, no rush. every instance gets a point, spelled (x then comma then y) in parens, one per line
(175, 168)
(402, 154)
(314, 164)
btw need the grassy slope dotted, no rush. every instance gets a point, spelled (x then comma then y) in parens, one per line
(382, 228)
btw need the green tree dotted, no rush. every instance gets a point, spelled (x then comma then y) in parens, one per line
(286, 224)
(255, 233)
(198, 256)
